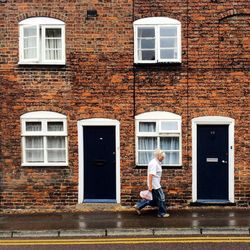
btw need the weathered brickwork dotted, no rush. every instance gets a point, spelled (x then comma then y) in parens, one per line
(100, 80)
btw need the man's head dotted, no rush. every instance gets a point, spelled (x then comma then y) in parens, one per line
(159, 154)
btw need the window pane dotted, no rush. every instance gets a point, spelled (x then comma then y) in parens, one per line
(34, 155)
(171, 158)
(53, 44)
(168, 54)
(56, 149)
(147, 126)
(146, 43)
(30, 53)
(168, 126)
(33, 142)
(33, 126)
(145, 157)
(55, 126)
(29, 42)
(168, 42)
(147, 143)
(146, 32)
(56, 142)
(56, 156)
(169, 143)
(53, 54)
(34, 149)
(53, 32)
(29, 31)
(147, 55)
(168, 31)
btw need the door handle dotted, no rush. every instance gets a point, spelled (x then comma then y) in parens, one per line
(223, 161)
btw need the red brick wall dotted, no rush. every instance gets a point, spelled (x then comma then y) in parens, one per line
(100, 80)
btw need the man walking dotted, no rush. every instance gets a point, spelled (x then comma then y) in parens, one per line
(154, 186)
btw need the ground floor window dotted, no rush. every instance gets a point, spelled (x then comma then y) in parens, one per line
(158, 130)
(44, 139)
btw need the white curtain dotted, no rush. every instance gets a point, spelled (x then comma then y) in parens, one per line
(30, 42)
(146, 147)
(147, 126)
(55, 126)
(56, 149)
(171, 146)
(33, 126)
(34, 149)
(53, 44)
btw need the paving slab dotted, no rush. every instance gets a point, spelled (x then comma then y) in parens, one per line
(83, 233)
(130, 232)
(5, 234)
(35, 234)
(177, 231)
(225, 231)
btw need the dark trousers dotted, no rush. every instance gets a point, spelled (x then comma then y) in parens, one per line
(143, 203)
(159, 199)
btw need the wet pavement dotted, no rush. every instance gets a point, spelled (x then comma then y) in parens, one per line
(186, 218)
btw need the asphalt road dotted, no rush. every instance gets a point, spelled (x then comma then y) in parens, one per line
(166, 243)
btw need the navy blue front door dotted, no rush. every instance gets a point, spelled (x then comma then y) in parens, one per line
(99, 163)
(212, 162)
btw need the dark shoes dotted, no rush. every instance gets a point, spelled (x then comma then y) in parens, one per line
(163, 215)
(138, 211)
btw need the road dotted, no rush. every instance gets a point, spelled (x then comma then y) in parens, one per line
(166, 243)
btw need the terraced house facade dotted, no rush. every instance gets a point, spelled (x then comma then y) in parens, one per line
(90, 88)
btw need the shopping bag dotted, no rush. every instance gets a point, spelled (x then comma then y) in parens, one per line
(146, 194)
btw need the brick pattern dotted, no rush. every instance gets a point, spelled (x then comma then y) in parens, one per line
(100, 80)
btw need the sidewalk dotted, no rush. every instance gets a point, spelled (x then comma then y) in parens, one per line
(202, 221)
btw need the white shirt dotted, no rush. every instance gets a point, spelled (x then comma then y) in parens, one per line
(154, 168)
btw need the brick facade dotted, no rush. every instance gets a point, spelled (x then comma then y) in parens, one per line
(100, 80)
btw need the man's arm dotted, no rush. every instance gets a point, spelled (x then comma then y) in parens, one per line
(150, 179)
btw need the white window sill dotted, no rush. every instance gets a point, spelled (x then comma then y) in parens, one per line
(165, 166)
(157, 62)
(41, 63)
(44, 164)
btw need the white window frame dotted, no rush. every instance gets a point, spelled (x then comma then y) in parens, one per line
(41, 23)
(157, 23)
(21, 44)
(44, 117)
(158, 117)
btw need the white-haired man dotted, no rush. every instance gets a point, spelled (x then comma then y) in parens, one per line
(154, 185)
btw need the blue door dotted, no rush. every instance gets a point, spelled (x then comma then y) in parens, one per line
(212, 163)
(99, 164)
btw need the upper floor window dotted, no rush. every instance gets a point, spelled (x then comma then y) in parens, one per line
(41, 41)
(157, 39)
(44, 139)
(158, 130)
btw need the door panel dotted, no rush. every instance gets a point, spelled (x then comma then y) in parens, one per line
(99, 163)
(212, 162)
